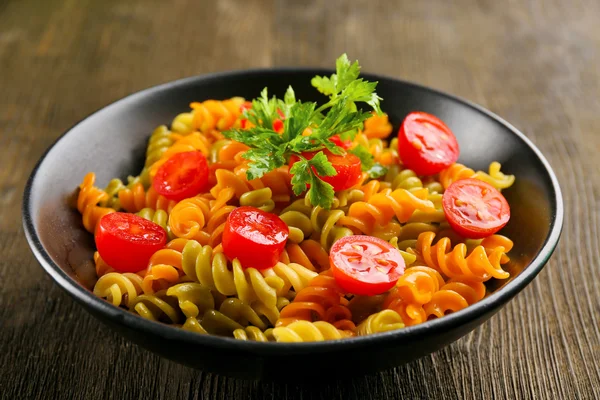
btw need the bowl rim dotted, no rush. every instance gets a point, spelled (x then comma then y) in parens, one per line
(164, 331)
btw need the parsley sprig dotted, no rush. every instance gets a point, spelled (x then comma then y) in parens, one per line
(338, 116)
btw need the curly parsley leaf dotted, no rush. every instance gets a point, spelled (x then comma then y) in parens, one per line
(366, 158)
(322, 165)
(261, 162)
(345, 73)
(302, 176)
(321, 193)
(264, 110)
(299, 119)
(257, 137)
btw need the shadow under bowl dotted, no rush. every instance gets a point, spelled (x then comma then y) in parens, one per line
(112, 141)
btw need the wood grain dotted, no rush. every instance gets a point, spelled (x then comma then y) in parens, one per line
(534, 62)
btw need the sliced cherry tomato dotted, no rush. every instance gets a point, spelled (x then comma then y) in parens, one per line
(344, 144)
(475, 209)
(183, 175)
(126, 242)
(278, 125)
(425, 144)
(347, 167)
(255, 237)
(365, 265)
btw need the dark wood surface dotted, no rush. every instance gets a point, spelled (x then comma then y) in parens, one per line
(533, 62)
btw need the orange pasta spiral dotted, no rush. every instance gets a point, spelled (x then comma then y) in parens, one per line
(188, 217)
(321, 300)
(136, 198)
(377, 126)
(87, 203)
(479, 265)
(380, 208)
(164, 268)
(213, 115)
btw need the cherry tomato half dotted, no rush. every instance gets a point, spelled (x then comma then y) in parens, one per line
(365, 265)
(255, 237)
(126, 242)
(347, 167)
(475, 209)
(425, 144)
(182, 176)
(344, 144)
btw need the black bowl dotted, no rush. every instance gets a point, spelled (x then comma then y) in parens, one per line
(112, 141)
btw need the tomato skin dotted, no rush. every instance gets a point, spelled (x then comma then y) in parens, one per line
(344, 144)
(365, 265)
(426, 144)
(347, 166)
(475, 209)
(182, 176)
(126, 242)
(278, 125)
(255, 237)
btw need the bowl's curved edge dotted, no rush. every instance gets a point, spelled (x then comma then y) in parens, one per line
(166, 332)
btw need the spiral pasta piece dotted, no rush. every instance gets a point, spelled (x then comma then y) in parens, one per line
(321, 300)
(212, 115)
(159, 217)
(377, 126)
(310, 254)
(252, 333)
(304, 331)
(383, 321)
(164, 269)
(455, 263)
(381, 208)
(156, 307)
(324, 226)
(188, 217)
(294, 275)
(87, 203)
(194, 299)
(119, 289)
(112, 190)
(202, 265)
(136, 198)
(259, 198)
(183, 123)
(494, 177)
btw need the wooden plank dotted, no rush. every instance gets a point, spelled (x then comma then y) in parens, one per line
(532, 62)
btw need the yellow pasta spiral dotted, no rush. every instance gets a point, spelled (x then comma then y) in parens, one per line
(380, 208)
(202, 265)
(304, 331)
(119, 289)
(156, 307)
(383, 321)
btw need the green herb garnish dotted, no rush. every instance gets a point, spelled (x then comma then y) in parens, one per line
(339, 116)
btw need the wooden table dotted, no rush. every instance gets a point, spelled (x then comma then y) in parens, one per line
(533, 62)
